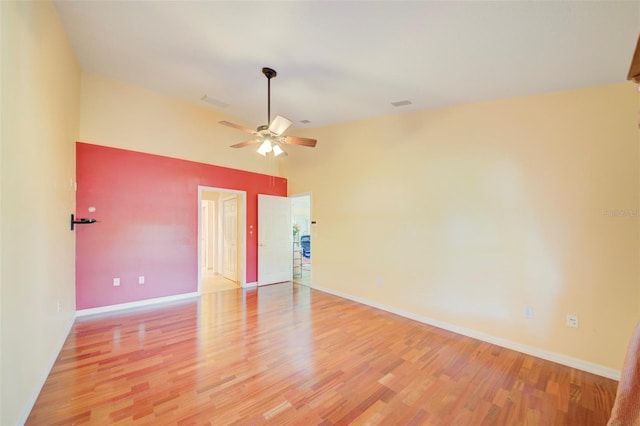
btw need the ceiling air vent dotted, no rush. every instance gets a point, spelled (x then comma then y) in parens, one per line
(401, 103)
(215, 102)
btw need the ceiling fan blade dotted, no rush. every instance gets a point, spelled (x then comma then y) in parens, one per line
(294, 140)
(238, 127)
(279, 125)
(246, 143)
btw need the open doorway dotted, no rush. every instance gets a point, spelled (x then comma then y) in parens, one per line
(221, 240)
(301, 219)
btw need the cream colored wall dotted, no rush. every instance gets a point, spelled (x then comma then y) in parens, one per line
(210, 196)
(40, 117)
(125, 116)
(468, 214)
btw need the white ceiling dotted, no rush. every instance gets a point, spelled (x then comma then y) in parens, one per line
(341, 61)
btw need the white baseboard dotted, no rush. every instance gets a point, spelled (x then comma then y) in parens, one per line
(250, 285)
(136, 304)
(43, 377)
(519, 347)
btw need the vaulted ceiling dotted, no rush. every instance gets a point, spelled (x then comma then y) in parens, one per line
(348, 60)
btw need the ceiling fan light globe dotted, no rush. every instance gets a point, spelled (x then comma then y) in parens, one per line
(265, 147)
(277, 150)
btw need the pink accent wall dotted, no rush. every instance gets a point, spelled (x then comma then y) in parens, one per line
(147, 212)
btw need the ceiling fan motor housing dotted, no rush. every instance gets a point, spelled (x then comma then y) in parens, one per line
(263, 131)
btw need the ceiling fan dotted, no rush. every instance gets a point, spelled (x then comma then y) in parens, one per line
(270, 137)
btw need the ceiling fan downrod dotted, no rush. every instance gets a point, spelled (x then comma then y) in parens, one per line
(269, 73)
(271, 134)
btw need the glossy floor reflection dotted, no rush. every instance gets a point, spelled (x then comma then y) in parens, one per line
(286, 354)
(212, 283)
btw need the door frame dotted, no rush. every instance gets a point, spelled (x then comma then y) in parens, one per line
(204, 234)
(242, 240)
(300, 195)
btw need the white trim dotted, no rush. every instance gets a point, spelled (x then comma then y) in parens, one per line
(136, 304)
(568, 361)
(243, 228)
(250, 285)
(24, 415)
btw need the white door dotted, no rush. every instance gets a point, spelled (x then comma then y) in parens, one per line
(230, 238)
(204, 232)
(275, 239)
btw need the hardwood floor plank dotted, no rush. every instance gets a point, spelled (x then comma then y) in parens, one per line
(286, 354)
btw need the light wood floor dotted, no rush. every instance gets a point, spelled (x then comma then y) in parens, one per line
(286, 354)
(303, 276)
(213, 282)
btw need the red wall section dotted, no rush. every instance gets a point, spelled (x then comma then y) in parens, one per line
(147, 212)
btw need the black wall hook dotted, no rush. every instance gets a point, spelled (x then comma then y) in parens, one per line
(81, 221)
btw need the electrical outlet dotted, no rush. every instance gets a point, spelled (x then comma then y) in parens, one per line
(116, 282)
(528, 312)
(572, 320)
(141, 279)
(58, 306)
(379, 282)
